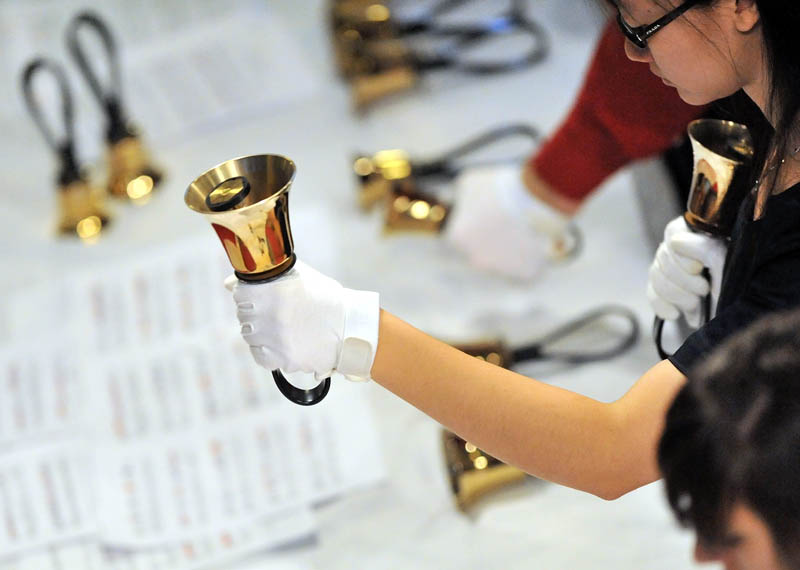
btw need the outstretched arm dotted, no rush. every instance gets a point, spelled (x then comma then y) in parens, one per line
(606, 449)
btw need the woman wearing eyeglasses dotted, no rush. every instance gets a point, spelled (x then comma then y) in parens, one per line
(706, 51)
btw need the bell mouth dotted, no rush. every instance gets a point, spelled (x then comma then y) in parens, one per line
(240, 183)
(727, 139)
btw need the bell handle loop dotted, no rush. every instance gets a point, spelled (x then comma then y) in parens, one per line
(443, 166)
(109, 96)
(464, 36)
(538, 350)
(65, 147)
(40, 65)
(298, 395)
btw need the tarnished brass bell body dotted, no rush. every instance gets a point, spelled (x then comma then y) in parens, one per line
(368, 89)
(82, 210)
(379, 173)
(371, 18)
(723, 152)
(492, 351)
(246, 200)
(131, 174)
(473, 473)
(414, 212)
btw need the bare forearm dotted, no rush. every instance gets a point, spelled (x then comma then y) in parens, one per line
(547, 431)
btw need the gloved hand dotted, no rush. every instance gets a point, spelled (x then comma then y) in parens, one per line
(500, 226)
(675, 284)
(305, 321)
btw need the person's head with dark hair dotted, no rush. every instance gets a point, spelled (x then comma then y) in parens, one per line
(714, 49)
(730, 450)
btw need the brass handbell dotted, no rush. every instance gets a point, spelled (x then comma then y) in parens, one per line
(722, 153)
(246, 201)
(387, 177)
(472, 473)
(81, 205)
(132, 175)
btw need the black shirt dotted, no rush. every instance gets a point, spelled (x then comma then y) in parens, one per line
(762, 273)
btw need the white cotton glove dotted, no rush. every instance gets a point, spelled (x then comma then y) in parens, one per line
(305, 321)
(675, 284)
(499, 226)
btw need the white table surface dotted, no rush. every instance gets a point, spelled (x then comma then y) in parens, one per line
(409, 521)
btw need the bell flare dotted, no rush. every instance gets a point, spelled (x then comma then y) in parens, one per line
(722, 155)
(268, 176)
(246, 201)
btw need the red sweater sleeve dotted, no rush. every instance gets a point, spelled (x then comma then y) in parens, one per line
(623, 113)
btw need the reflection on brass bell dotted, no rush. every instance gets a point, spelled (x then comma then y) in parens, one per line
(82, 210)
(474, 474)
(379, 174)
(368, 89)
(387, 177)
(131, 174)
(414, 212)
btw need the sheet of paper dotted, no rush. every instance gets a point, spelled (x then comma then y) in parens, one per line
(186, 66)
(191, 435)
(217, 71)
(189, 452)
(224, 546)
(45, 497)
(43, 394)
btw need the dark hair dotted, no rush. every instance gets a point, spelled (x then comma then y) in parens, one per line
(732, 435)
(779, 21)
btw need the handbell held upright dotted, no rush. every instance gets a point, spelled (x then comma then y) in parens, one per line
(246, 200)
(722, 153)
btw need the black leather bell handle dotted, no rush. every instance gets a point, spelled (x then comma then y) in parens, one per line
(298, 395)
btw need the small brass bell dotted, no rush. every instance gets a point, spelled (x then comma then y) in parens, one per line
(474, 474)
(131, 174)
(81, 205)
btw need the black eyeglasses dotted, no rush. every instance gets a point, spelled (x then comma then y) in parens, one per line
(638, 36)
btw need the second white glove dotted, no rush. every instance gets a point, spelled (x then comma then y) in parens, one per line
(306, 321)
(499, 226)
(675, 282)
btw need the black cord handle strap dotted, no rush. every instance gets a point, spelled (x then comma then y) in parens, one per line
(63, 147)
(107, 95)
(465, 36)
(539, 350)
(444, 166)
